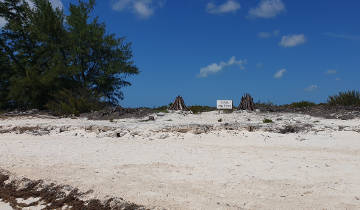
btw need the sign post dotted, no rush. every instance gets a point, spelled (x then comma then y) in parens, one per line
(224, 104)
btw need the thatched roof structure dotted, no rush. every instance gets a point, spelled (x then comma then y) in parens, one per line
(247, 103)
(179, 104)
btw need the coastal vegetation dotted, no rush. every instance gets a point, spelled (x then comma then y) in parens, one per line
(66, 63)
(347, 98)
(69, 64)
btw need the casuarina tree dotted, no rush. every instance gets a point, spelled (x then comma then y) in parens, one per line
(54, 58)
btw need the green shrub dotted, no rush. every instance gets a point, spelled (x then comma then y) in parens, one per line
(264, 105)
(198, 109)
(163, 109)
(302, 104)
(267, 121)
(348, 98)
(70, 103)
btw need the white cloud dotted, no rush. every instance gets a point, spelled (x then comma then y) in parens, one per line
(267, 9)
(229, 6)
(311, 88)
(342, 36)
(215, 68)
(265, 35)
(142, 8)
(279, 74)
(331, 71)
(292, 40)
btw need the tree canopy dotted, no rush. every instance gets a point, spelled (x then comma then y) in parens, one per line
(66, 63)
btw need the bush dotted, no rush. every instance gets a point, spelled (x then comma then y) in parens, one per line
(302, 104)
(199, 109)
(70, 103)
(348, 98)
(267, 121)
(163, 109)
(264, 105)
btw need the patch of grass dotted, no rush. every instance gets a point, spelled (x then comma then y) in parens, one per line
(199, 109)
(347, 98)
(302, 104)
(267, 121)
(262, 103)
(163, 109)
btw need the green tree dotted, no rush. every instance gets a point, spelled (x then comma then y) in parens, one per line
(5, 74)
(52, 63)
(33, 40)
(100, 62)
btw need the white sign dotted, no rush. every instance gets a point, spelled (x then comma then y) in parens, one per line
(224, 104)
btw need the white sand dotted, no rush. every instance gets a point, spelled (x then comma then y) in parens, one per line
(5, 206)
(221, 169)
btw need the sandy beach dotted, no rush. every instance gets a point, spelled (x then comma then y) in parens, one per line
(187, 161)
(179, 105)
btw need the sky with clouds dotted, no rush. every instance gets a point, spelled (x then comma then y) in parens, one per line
(277, 50)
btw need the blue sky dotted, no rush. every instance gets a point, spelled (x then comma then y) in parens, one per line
(277, 50)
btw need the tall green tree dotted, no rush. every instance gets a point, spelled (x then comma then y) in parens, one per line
(51, 62)
(99, 61)
(33, 39)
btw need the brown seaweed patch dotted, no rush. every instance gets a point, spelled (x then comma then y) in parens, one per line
(52, 196)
